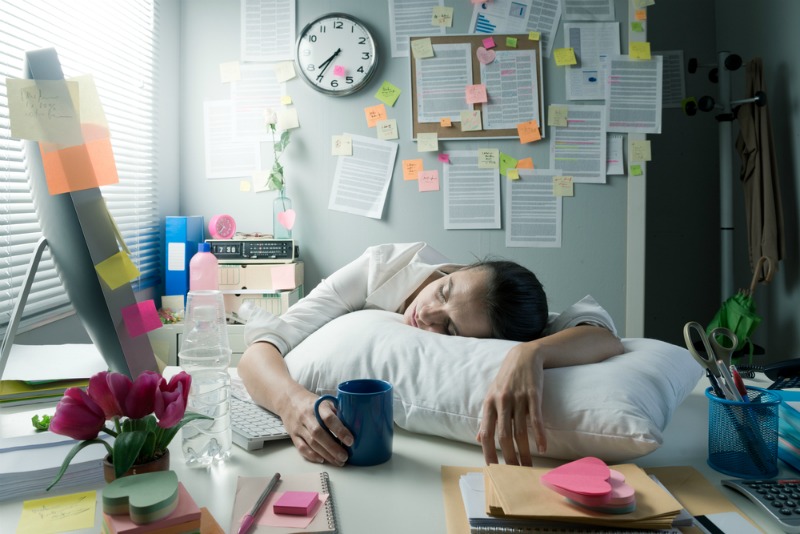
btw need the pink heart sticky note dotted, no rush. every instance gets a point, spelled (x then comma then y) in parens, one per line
(587, 476)
(286, 218)
(485, 56)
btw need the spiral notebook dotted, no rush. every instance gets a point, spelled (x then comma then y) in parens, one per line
(248, 490)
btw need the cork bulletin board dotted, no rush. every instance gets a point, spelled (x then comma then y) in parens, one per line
(475, 42)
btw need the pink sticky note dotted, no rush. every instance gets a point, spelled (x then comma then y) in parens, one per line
(488, 42)
(444, 158)
(338, 70)
(476, 94)
(296, 503)
(141, 318)
(428, 180)
(283, 276)
(268, 517)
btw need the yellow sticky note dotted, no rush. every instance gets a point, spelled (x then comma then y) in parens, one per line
(562, 186)
(470, 120)
(529, 131)
(512, 174)
(637, 27)
(442, 16)
(557, 115)
(286, 100)
(388, 93)
(422, 48)
(117, 270)
(284, 71)
(427, 142)
(260, 181)
(640, 14)
(341, 145)
(375, 114)
(640, 151)
(525, 163)
(565, 56)
(44, 110)
(445, 122)
(535, 36)
(245, 186)
(511, 42)
(229, 72)
(639, 50)
(507, 162)
(287, 119)
(488, 158)
(411, 168)
(636, 170)
(643, 3)
(62, 513)
(387, 129)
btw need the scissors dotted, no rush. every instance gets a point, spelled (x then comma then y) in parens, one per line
(715, 356)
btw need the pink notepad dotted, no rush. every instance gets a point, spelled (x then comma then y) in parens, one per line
(296, 503)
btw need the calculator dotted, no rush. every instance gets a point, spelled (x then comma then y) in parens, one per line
(778, 497)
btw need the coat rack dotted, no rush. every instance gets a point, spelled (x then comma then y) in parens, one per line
(726, 109)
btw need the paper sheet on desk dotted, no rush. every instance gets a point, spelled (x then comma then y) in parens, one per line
(53, 362)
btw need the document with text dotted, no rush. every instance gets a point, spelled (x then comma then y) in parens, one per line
(512, 83)
(533, 212)
(579, 149)
(268, 30)
(409, 18)
(593, 43)
(441, 82)
(633, 94)
(361, 181)
(471, 193)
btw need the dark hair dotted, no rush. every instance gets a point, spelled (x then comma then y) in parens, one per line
(515, 300)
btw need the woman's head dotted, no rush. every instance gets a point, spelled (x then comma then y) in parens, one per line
(499, 299)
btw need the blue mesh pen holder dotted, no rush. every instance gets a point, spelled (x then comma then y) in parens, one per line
(743, 436)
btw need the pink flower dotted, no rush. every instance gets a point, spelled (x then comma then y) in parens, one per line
(110, 390)
(77, 416)
(142, 397)
(171, 399)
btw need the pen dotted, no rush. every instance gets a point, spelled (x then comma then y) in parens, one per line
(248, 519)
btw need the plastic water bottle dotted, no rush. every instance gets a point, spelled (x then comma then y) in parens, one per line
(203, 269)
(205, 354)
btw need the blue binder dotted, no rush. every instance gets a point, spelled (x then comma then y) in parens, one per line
(182, 235)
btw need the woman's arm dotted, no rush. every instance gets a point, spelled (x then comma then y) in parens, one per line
(514, 399)
(269, 383)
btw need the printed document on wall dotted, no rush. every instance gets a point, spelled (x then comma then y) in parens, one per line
(500, 16)
(674, 87)
(616, 161)
(589, 10)
(409, 18)
(256, 90)
(593, 43)
(543, 18)
(579, 149)
(471, 193)
(533, 212)
(268, 29)
(513, 85)
(441, 81)
(633, 94)
(226, 156)
(361, 181)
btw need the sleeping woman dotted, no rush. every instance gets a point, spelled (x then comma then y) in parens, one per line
(487, 299)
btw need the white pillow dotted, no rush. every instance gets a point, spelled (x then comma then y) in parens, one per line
(615, 410)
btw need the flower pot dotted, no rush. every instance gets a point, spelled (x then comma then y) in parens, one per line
(159, 464)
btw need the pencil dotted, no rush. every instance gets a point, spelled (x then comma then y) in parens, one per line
(248, 519)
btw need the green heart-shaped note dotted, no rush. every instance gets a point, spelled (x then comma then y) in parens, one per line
(146, 497)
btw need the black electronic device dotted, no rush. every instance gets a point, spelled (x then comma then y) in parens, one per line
(254, 250)
(779, 498)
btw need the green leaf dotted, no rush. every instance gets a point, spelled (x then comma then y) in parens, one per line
(284, 139)
(126, 450)
(41, 424)
(75, 450)
(275, 182)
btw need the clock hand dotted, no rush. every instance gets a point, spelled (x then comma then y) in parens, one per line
(327, 62)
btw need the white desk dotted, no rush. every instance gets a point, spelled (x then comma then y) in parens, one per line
(404, 494)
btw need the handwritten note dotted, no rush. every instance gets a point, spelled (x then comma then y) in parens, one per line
(427, 142)
(411, 168)
(422, 48)
(442, 16)
(529, 131)
(445, 122)
(375, 114)
(565, 57)
(428, 180)
(562, 186)
(387, 129)
(488, 158)
(388, 93)
(476, 94)
(525, 163)
(141, 318)
(284, 71)
(470, 120)
(341, 145)
(639, 50)
(506, 162)
(44, 110)
(557, 115)
(229, 72)
(117, 270)
(58, 514)
(640, 151)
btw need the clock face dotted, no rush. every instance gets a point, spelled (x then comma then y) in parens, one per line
(222, 227)
(336, 54)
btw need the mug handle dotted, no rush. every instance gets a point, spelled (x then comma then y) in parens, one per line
(319, 401)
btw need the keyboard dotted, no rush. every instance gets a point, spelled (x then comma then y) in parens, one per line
(780, 498)
(253, 425)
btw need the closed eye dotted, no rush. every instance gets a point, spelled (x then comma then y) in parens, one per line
(444, 293)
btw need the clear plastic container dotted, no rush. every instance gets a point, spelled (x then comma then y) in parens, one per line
(203, 269)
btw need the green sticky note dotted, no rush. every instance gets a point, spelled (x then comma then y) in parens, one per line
(636, 170)
(506, 162)
(511, 42)
(388, 94)
(637, 27)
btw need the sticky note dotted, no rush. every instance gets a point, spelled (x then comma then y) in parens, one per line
(529, 131)
(141, 318)
(488, 158)
(489, 43)
(485, 56)
(341, 145)
(445, 122)
(117, 270)
(245, 186)
(284, 70)
(565, 56)
(442, 16)
(640, 14)
(422, 48)
(287, 119)
(338, 70)
(511, 42)
(375, 114)
(557, 115)
(636, 170)
(411, 168)
(512, 174)
(525, 163)
(637, 27)
(643, 3)
(428, 180)
(260, 181)
(90, 108)
(79, 167)
(62, 513)
(388, 93)
(476, 94)
(534, 36)
(427, 142)
(562, 186)
(44, 110)
(229, 72)
(444, 158)
(387, 129)
(640, 50)
(283, 276)
(296, 502)
(506, 162)
(640, 151)
(470, 120)
(286, 100)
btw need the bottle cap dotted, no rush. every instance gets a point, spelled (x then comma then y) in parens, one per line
(203, 247)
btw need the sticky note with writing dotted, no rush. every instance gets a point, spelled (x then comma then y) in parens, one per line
(386, 129)
(422, 48)
(428, 180)
(375, 114)
(562, 186)
(529, 131)
(442, 16)
(470, 120)
(476, 94)
(44, 110)
(341, 145)
(557, 115)
(411, 168)
(388, 93)
(640, 151)
(488, 158)
(427, 142)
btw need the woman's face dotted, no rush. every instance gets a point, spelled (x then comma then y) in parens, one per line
(453, 305)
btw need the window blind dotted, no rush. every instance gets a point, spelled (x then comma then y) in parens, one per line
(115, 42)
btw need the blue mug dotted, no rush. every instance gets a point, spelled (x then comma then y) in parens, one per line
(365, 408)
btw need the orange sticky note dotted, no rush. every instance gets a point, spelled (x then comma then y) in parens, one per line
(525, 163)
(79, 167)
(428, 180)
(529, 131)
(641, 14)
(411, 168)
(117, 270)
(476, 94)
(141, 318)
(445, 122)
(375, 114)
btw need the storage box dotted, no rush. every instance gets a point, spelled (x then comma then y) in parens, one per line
(275, 302)
(182, 235)
(260, 276)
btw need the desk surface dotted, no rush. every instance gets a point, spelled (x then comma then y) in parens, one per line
(404, 494)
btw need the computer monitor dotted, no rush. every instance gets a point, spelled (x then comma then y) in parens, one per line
(80, 234)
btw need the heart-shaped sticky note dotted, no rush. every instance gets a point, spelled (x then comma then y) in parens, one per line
(587, 476)
(286, 218)
(485, 56)
(146, 497)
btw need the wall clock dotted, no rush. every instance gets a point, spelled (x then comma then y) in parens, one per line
(222, 227)
(336, 54)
